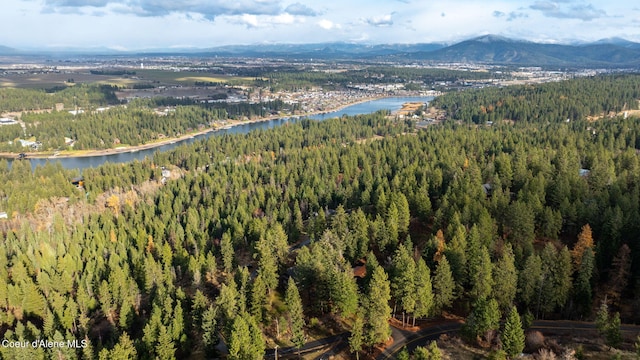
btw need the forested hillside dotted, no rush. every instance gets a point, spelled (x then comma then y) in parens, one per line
(84, 96)
(455, 217)
(137, 123)
(550, 102)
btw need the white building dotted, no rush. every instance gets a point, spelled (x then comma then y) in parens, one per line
(7, 121)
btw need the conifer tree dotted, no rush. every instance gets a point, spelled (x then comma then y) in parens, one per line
(296, 316)
(124, 349)
(530, 280)
(484, 317)
(165, 349)
(209, 333)
(404, 215)
(392, 224)
(585, 241)
(356, 339)
(513, 334)
(403, 354)
(258, 298)
(240, 338)
(583, 293)
(424, 291)
(443, 285)
(434, 351)
(620, 271)
(377, 309)
(246, 341)
(505, 279)
(431, 352)
(613, 335)
(226, 250)
(482, 276)
(602, 317)
(403, 280)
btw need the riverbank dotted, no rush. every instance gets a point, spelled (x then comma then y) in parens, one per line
(166, 141)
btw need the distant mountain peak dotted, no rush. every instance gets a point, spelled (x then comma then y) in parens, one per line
(6, 49)
(492, 38)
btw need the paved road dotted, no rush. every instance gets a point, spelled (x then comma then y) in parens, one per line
(292, 352)
(411, 340)
(425, 336)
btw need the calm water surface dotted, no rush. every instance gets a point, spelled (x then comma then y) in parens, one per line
(368, 107)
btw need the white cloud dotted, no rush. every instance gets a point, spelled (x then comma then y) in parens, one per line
(327, 24)
(585, 12)
(381, 21)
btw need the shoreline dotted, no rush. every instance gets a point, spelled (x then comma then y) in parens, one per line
(167, 141)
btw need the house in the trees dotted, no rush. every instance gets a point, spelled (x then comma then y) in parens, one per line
(78, 182)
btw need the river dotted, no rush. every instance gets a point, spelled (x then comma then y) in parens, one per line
(393, 103)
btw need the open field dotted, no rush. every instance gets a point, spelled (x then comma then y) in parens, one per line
(185, 77)
(47, 80)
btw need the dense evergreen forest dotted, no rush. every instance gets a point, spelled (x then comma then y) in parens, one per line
(137, 123)
(84, 96)
(484, 221)
(550, 102)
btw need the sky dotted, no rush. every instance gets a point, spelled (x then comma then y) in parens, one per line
(152, 24)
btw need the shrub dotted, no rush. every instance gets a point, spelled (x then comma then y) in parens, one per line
(534, 341)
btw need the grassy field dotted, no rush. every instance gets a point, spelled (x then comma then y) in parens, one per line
(186, 77)
(142, 76)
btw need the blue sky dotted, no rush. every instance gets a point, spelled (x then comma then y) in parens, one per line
(140, 24)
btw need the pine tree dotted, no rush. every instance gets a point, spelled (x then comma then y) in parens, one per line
(257, 346)
(443, 285)
(421, 353)
(227, 301)
(530, 279)
(482, 276)
(602, 317)
(226, 250)
(165, 349)
(124, 349)
(392, 224)
(209, 333)
(403, 280)
(239, 339)
(404, 215)
(434, 351)
(356, 338)
(377, 309)
(431, 352)
(296, 316)
(267, 266)
(403, 354)
(620, 271)
(513, 334)
(505, 279)
(613, 335)
(484, 317)
(585, 241)
(258, 298)
(344, 292)
(583, 293)
(424, 291)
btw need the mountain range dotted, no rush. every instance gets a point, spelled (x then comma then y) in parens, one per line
(491, 49)
(499, 50)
